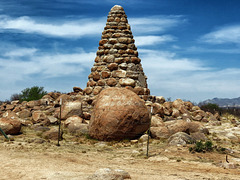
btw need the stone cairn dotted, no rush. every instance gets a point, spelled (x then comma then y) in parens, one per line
(117, 63)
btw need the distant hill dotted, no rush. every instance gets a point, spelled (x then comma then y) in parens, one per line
(223, 102)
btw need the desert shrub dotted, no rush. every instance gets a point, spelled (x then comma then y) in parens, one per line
(200, 146)
(15, 97)
(33, 93)
(210, 108)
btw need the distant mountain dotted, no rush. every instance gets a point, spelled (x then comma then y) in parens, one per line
(223, 102)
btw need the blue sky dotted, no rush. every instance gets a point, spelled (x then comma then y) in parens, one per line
(190, 49)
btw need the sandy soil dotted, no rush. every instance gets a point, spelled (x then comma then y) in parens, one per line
(24, 159)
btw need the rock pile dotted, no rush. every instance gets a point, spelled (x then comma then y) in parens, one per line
(117, 63)
(43, 112)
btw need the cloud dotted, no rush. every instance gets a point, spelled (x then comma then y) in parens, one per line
(21, 52)
(227, 34)
(186, 78)
(153, 24)
(196, 49)
(153, 40)
(78, 28)
(86, 26)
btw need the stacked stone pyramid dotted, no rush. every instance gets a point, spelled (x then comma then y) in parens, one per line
(117, 63)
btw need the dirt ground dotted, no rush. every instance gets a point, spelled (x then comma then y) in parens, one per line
(32, 158)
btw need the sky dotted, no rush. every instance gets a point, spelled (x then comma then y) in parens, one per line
(190, 49)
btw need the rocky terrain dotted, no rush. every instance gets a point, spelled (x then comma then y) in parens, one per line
(104, 127)
(32, 153)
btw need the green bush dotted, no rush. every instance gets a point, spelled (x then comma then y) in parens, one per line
(200, 146)
(33, 93)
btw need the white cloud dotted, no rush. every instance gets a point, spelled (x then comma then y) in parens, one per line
(171, 76)
(21, 52)
(155, 24)
(196, 49)
(64, 29)
(153, 40)
(87, 26)
(45, 66)
(227, 34)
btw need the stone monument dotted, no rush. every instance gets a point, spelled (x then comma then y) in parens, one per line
(117, 63)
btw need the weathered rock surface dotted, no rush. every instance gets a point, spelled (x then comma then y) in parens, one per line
(110, 174)
(10, 126)
(117, 63)
(71, 108)
(76, 125)
(118, 114)
(180, 138)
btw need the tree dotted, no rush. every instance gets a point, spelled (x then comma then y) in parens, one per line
(15, 97)
(33, 93)
(210, 107)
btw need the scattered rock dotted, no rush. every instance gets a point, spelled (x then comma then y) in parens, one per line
(52, 134)
(10, 126)
(110, 174)
(75, 125)
(71, 108)
(180, 138)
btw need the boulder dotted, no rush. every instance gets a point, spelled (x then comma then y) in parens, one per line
(158, 109)
(182, 126)
(52, 134)
(73, 119)
(25, 113)
(118, 114)
(77, 89)
(31, 104)
(71, 108)
(109, 174)
(10, 114)
(167, 108)
(10, 107)
(198, 136)
(10, 126)
(160, 99)
(39, 116)
(65, 98)
(156, 121)
(180, 138)
(76, 125)
(160, 132)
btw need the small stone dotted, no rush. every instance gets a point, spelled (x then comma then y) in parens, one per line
(109, 58)
(88, 90)
(120, 46)
(102, 42)
(113, 41)
(111, 82)
(106, 74)
(127, 82)
(135, 60)
(97, 90)
(96, 76)
(112, 66)
(101, 82)
(119, 73)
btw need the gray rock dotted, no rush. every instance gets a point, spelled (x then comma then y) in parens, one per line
(110, 174)
(180, 138)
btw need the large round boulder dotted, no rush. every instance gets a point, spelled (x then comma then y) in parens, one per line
(118, 114)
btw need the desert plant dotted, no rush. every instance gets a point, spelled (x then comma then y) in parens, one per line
(200, 146)
(213, 108)
(15, 97)
(33, 93)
